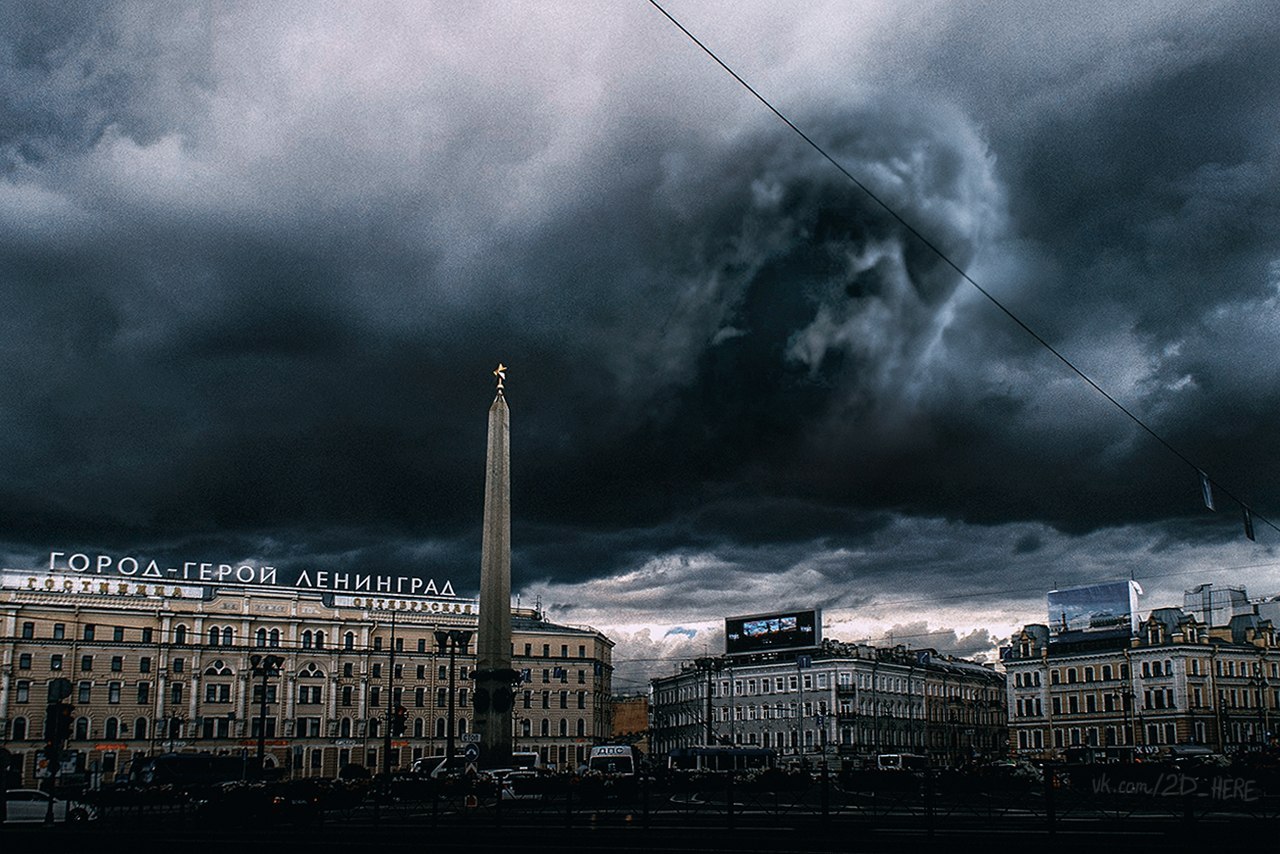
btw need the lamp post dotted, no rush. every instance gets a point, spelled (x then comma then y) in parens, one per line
(451, 641)
(264, 666)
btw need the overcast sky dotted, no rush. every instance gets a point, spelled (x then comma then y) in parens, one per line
(257, 261)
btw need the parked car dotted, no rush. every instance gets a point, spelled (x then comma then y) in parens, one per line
(31, 805)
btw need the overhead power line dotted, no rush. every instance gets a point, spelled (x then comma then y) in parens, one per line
(1249, 515)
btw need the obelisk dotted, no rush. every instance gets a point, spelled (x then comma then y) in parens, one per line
(494, 676)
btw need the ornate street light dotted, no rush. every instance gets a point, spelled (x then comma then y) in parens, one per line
(264, 666)
(451, 641)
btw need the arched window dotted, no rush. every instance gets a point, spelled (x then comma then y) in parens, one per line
(112, 729)
(82, 729)
(228, 636)
(319, 640)
(546, 727)
(419, 726)
(349, 640)
(462, 697)
(140, 728)
(218, 668)
(462, 726)
(344, 728)
(311, 670)
(19, 729)
(180, 635)
(526, 727)
(373, 727)
(582, 727)
(564, 727)
(307, 639)
(274, 637)
(439, 727)
(260, 637)
(346, 695)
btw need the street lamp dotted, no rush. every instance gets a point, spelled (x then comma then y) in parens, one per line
(451, 641)
(264, 666)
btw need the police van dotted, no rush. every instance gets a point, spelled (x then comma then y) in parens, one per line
(615, 759)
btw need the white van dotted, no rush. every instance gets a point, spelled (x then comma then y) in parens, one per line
(620, 759)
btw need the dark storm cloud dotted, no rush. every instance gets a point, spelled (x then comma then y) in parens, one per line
(257, 263)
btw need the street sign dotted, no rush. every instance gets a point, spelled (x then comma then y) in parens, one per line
(472, 753)
(470, 738)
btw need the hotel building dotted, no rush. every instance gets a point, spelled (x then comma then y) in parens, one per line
(159, 665)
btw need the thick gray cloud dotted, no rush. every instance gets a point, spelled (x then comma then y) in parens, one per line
(257, 261)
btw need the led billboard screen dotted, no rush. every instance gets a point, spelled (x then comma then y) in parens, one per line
(1109, 607)
(768, 632)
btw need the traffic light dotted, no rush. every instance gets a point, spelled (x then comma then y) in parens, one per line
(57, 725)
(399, 721)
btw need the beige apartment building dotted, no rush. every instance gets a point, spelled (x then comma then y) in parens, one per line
(159, 665)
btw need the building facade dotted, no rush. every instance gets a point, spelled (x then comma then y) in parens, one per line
(840, 703)
(157, 666)
(1175, 682)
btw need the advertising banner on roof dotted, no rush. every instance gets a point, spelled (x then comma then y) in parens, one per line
(1108, 607)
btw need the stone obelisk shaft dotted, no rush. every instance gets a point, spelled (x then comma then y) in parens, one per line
(493, 694)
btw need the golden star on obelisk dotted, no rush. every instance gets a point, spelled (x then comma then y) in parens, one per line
(501, 373)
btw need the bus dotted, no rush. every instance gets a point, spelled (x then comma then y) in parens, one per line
(187, 769)
(717, 758)
(901, 762)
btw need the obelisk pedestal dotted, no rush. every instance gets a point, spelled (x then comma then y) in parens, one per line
(494, 677)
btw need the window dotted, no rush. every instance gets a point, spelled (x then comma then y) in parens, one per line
(217, 693)
(175, 693)
(422, 647)
(346, 695)
(55, 661)
(88, 631)
(422, 671)
(260, 637)
(19, 729)
(377, 671)
(59, 631)
(582, 651)
(564, 650)
(442, 698)
(178, 664)
(146, 635)
(349, 640)
(24, 661)
(23, 692)
(180, 635)
(113, 692)
(144, 664)
(347, 670)
(419, 697)
(28, 631)
(309, 694)
(375, 697)
(117, 634)
(528, 649)
(377, 643)
(442, 672)
(273, 639)
(117, 663)
(546, 650)
(86, 663)
(257, 694)
(83, 694)
(144, 693)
